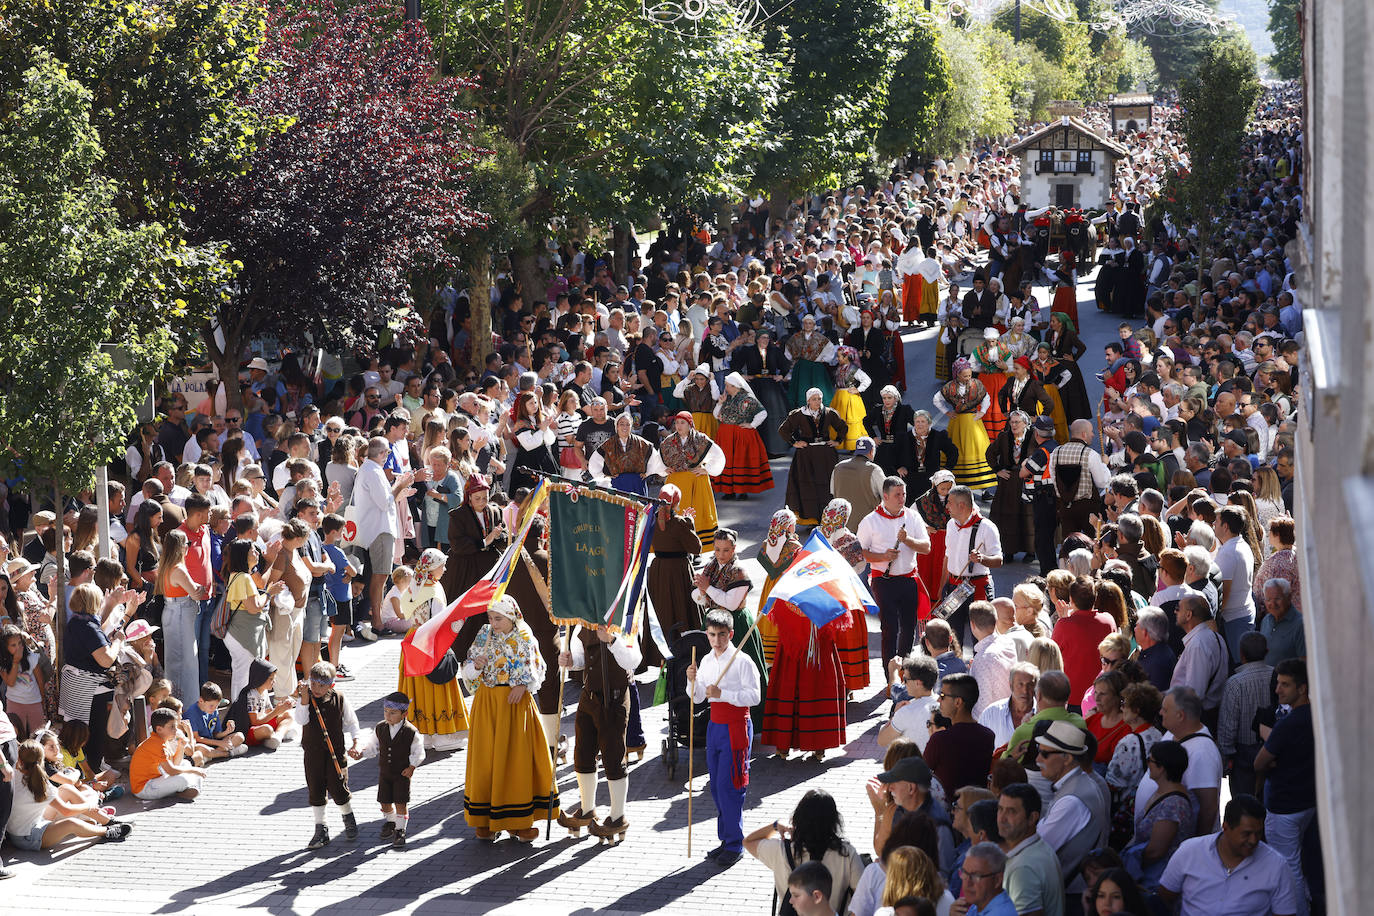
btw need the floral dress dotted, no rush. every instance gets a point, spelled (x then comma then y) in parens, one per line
(34, 612)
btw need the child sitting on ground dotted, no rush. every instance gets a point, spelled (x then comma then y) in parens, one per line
(396, 607)
(157, 691)
(66, 780)
(268, 723)
(215, 740)
(159, 769)
(72, 739)
(188, 737)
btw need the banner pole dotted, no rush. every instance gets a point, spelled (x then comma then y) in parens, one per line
(562, 681)
(739, 650)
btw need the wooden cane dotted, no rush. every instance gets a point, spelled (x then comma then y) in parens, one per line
(553, 754)
(691, 743)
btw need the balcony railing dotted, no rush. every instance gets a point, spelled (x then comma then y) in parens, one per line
(1065, 168)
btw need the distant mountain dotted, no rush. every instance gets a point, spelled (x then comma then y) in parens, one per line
(1253, 16)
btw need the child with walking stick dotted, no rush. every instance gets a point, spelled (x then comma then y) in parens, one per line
(730, 681)
(325, 717)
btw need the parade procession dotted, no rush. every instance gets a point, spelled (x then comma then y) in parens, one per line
(448, 469)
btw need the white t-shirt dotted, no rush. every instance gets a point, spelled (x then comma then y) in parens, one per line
(1237, 564)
(878, 533)
(1204, 772)
(913, 720)
(27, 812)
(25, 689)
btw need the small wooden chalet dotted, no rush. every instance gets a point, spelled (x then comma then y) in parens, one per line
(1067, 164)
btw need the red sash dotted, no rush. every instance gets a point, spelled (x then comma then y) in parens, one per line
(734, 719)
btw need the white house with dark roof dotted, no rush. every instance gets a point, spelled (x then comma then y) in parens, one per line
(1067, 164)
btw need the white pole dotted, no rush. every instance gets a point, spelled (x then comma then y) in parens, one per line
(102, 505)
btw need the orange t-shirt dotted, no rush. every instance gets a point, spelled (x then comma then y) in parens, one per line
(147, 762)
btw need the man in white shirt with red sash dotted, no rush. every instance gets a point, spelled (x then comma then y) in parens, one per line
(891, 536)
(973, 548)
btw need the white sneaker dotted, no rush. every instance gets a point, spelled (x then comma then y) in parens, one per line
(365, 631)
(450, 742)
(238, 750)
(271, 742)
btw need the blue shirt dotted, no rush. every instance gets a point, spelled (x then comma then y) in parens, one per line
(949, 663)
(1000, 905)
(335, 581)
(207, 725)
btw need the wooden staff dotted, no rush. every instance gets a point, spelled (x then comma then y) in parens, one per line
(562, 681)
(739, 650)
(1101, 439)
(691, 743)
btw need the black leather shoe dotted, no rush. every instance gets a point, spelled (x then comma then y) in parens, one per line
(350, 826)
(728, 857)
(715, 853)
(320, 839)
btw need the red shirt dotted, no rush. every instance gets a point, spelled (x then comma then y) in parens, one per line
(198, 555)
(1078, 636)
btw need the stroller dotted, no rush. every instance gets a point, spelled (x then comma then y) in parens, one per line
(680, 706)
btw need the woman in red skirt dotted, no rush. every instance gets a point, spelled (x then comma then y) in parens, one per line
(746, 460)
(851, 641)
(804, 706)
(935, 514)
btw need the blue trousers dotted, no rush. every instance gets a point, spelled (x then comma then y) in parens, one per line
(204, 617)
(729, 800)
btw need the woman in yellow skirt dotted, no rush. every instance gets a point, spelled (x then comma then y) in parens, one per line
(1046, 370)
(437, 710)
(775, 555)
(510, 777)
(698, 393)
(692, 459)
(848, 402)
(965, 401)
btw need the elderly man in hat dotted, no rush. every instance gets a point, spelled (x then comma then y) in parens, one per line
(860, 480)
(1079, 816)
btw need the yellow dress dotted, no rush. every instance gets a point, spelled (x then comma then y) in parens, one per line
(435, 709)
(851, 409)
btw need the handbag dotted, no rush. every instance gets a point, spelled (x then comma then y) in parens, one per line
(219, 621)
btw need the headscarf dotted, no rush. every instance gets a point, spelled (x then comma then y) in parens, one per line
(1023, 361)
(507, 608)
(476, 483)
(835, 516)
(734, 378)
(429, 567)
(782, 526)
(671, 495)
(848, 353)
(892, 390)
(960, 365)
(1065, 321)
(703, 370)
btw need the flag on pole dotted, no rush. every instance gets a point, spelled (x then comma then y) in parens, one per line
(423, 648)
(821, 584)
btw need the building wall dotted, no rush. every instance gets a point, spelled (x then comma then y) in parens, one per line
(1090, 191)
(1335, 493)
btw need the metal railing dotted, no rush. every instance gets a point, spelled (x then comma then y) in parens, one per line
(1065, 168)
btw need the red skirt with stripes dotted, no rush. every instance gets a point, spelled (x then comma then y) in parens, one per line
(852, 644)
(804, 706)
(746, 461)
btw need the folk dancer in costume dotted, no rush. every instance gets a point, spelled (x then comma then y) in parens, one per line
(890, 323)
(627, 459)
(928, 270)
(811, 354)
(1016, 341)
(1067, 349)
(722, 584)
(849, 400)
(437, 710)
(1035, 473)
(1079, 475)
(952, 324)
(892, 536)
(669, 584)
(776, 552)
(816, 431)
(851, 641)
(746, 461)
(764, 366)
(1011, 504)
(913, 283)
(1022, 392)
(866, 350)
(698, 393)
(510, 779)
(1066, 285)
(990, 363)
(964, 401)
(529, 586)
(804, 704)
(932, 449)
(477, 538)
(730, 734)
(890, 427)
(973, 548)
(607, 663)
(325, 717)
(1046, 370)
(400, 750)
(691, 460)
(934, 511)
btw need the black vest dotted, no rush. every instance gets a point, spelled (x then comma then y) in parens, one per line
(393, 754)
(602, 674)
(330, 710)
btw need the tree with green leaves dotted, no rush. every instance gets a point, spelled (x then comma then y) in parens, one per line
(1284, 28)
(87, 303)
(921, 79)
(1217, 104)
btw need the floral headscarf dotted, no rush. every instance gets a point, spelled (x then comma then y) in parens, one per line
(783, 525)
(835, 516)
(960, 365)
(429, 568)
(848, 353)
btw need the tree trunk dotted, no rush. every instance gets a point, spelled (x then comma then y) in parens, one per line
(59, 581)
(620, 241)
(227, 367)
(533, 283)
(479, 300)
